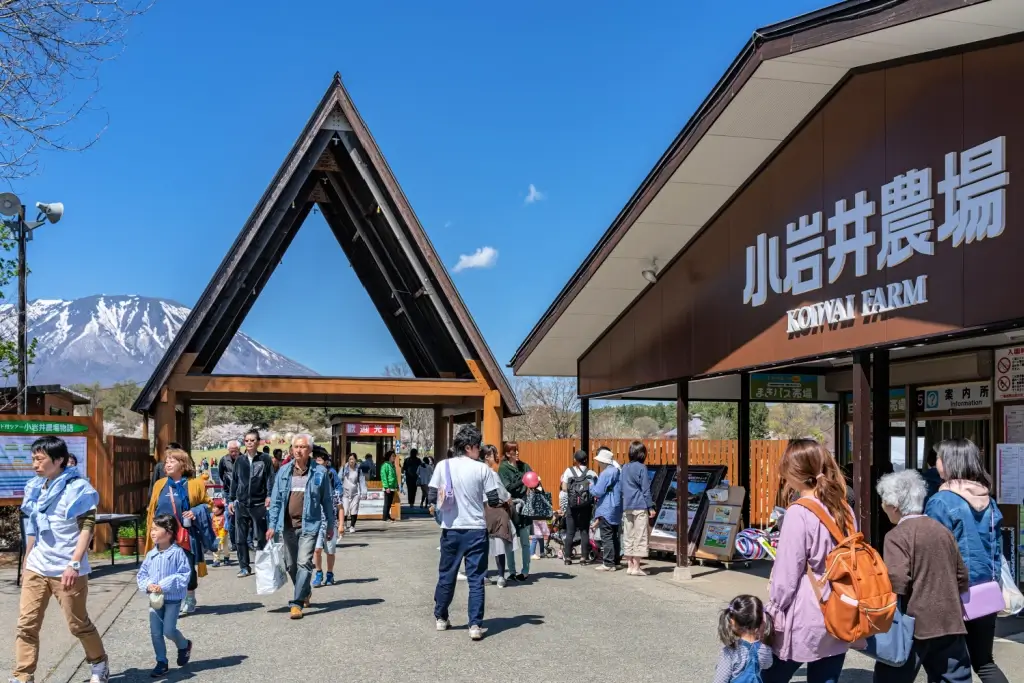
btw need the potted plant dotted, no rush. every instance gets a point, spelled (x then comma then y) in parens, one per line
(126, 539)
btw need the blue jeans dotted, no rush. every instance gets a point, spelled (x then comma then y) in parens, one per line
(822, 671)
(537, 546)
(457, 544)
(163, 623)
(524, 544)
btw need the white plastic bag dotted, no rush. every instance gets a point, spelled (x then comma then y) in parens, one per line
(1011, 594)
(270, 570)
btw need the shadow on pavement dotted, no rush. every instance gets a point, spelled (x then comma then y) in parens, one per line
(369, 579)
(185, 673)
(854, 676)
(332, 606)
(230, 609)
(353, 545)
(549, 575)
(498, 625)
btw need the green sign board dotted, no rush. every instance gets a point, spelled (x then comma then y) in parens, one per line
(784, 387)
(33, 427)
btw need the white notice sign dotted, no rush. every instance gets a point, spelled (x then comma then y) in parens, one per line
(1010, 482)
(1013, 424)
(1010, 373)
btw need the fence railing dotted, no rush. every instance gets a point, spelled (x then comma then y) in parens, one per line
(550, 458)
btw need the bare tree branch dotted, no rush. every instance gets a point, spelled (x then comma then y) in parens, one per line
(50, 53)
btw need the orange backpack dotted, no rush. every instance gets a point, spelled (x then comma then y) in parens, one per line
(862, 602)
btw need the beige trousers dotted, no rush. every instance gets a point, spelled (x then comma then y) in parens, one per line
(36, 592)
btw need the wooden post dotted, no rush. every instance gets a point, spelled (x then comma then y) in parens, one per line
(492, 418)
(910, 418)
(145, 426)
(585, 424)
(164, 422)
(682, 570)
(881, 445)
(742, 477)
(862, 438)
(440, 434)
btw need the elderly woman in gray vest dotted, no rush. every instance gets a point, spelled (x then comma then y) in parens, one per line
(353, 485)
(928, 575)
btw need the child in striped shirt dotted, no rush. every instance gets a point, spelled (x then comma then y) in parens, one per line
(164, 576)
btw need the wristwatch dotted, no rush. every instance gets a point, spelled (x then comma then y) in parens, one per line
(77, 566)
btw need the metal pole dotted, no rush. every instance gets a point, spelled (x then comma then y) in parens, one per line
(22, 321)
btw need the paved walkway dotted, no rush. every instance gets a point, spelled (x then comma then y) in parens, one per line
(569, 624)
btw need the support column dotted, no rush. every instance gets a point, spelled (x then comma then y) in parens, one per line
(910, 417)
(145, 426)
(861, 437)
(585, 424)
(881, 443)
(682, 570)
(164, 423)
(742, 477)
(440, 434)
(493, 418)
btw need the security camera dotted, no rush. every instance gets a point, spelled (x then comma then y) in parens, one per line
(52, 211)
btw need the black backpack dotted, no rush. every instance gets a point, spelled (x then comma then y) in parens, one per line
(578, 488)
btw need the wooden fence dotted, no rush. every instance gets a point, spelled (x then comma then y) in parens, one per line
(550, 458)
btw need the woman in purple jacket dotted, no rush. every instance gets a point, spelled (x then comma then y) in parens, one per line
(808, 470)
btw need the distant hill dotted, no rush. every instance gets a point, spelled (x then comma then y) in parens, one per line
(106, 339)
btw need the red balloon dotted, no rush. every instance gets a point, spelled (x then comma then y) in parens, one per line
(531, 480)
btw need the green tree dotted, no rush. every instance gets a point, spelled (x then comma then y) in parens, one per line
(723, 414)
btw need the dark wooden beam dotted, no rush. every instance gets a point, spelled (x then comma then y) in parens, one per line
(682, 571)
(862, 438)
(742, 477)
(881, 443)
(585, 424)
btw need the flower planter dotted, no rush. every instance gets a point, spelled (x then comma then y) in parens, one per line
(127, 546)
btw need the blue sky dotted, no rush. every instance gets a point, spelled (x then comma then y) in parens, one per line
(473, 104)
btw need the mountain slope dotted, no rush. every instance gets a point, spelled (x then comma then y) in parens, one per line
(110, 339)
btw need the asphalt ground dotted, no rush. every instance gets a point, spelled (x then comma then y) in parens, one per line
(565, 624)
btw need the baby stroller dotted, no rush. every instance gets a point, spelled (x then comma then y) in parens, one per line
(558, 538)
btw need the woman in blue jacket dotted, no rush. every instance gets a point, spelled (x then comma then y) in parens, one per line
(964, 506)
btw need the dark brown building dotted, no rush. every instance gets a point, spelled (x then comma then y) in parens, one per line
(47, 399)
(846, 209)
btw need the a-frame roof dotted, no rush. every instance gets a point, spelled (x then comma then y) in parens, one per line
(336, 165)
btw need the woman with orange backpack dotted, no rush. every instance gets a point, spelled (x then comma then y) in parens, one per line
(812, 478)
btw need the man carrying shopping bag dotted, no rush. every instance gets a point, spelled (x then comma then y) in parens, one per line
(301, 502)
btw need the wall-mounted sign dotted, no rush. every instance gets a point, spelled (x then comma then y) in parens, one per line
(975, 208)
(34, 427)
(1010, 373)
(784, 387)
(897, 402)
(16, 459)
(364, 429)
(955, 396)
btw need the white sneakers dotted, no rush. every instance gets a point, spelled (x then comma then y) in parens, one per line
(475, 632)
(461, 577)
(501, 582)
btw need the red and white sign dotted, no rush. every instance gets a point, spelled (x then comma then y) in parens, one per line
(1010, 373)
(371, 429)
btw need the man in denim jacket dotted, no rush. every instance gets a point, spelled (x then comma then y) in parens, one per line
(301, 503)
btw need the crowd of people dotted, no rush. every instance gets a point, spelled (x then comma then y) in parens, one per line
(942, 556)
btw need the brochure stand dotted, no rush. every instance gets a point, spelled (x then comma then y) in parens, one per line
(717, 540)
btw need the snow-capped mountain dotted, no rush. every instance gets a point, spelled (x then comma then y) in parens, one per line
(110, 339)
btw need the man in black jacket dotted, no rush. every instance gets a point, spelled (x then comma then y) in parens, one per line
(225, 468)
(251, 484)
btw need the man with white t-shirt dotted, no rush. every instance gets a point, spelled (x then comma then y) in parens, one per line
(463, 525)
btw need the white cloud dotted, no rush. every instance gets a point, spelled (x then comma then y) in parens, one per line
(534, 195)
(484, 257)
(448, 224)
